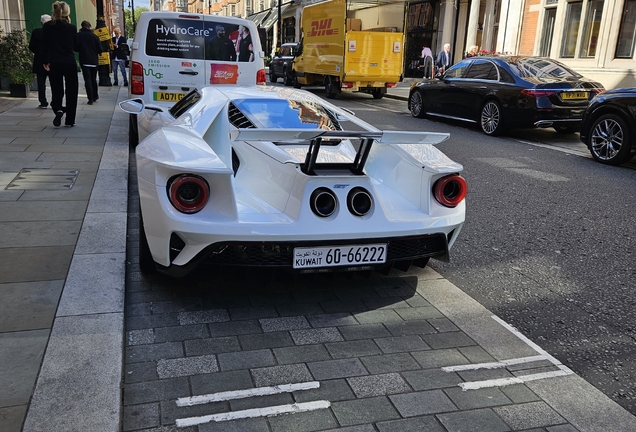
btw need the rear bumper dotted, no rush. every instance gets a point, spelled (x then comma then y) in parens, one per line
(401, 252)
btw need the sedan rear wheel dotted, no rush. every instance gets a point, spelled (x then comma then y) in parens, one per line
(610, 140)
(416, 104)
(491, 121)
(287, 78)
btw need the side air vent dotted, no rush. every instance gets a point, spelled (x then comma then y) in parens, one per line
(236, 162)
(238, 119)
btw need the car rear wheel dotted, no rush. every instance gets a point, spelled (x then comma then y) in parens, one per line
(330, 88)
(566, 129)
(133, 133)
(416, 104)
(490, 120)
(295, 81)
(287, 78)
(146, 263)
(610, 140)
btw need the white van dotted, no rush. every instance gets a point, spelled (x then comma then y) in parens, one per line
(175, 52)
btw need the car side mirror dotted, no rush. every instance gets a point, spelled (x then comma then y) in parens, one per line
(132, 106)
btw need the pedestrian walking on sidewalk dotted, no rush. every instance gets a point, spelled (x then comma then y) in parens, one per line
(60, 40)
(36, 45)
(120, 48)
(89, 49)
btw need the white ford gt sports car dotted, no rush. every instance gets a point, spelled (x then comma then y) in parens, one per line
(267, 176)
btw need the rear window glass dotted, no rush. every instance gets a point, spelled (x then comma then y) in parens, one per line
(279, 114)
(198, 40)
(541, 67)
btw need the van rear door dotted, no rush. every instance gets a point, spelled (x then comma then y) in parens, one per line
(175, 52)
(233, 53)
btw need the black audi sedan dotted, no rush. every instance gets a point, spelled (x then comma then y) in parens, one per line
(609, 126)
(499, 92)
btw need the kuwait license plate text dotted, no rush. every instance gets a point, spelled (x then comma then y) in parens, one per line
(168, 97)
(332, 256)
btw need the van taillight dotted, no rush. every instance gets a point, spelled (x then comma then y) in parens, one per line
(261, 77)
(136, 78)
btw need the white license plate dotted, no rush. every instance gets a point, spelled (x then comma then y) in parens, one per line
(333, 256)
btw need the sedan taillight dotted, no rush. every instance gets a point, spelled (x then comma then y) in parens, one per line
(449, 191)
(136, 78)
(188, 193)
(538, 93)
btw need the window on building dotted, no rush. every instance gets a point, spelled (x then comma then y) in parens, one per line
(572, 22)
(627, 33)
(233, 10)
(548, 32)
(592, 26)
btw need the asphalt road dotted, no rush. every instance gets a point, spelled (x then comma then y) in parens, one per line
(548, 243)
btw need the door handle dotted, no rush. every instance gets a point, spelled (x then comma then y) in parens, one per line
(189, 73)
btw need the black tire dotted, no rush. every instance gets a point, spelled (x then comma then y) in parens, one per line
(146, 263)
(567, 129)
(610, 140)
(133, 133)
(490, 119)
(331, 90)
(377, 93)
(272, 75)
(416, 104)
(287, 79)
(296, 84)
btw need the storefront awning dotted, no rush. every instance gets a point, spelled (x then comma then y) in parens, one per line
(259, 16)
(273, 17)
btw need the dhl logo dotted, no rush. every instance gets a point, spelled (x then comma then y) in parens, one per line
(322, 28)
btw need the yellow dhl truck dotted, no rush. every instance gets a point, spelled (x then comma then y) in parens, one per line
(344, 49)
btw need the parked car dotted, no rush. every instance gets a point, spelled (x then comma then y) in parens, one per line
(499, 92)
(267, 176)
(609, 126)
(281, 64)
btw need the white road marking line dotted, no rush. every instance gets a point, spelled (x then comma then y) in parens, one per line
(241, 394)
(494, 365)
(500, 382)
(255, 412)
(531, 344)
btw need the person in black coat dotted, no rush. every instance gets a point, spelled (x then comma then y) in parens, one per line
(89, 49)
(60, 40)
(118, 57)
(35, 46)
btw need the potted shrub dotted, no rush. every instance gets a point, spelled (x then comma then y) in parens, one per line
(16, 60)
(20, 82)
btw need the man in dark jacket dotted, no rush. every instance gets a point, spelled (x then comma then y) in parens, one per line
(118, 57)
(35, 45)
(444, 59)
(89, 49)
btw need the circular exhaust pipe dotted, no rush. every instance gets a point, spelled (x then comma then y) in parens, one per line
(359, 201)
(323, 202)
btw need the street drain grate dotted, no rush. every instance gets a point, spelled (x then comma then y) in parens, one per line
(44, 179)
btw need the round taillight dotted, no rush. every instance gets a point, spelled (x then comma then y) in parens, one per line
(450, 190)
(323, 202)
(189, 193)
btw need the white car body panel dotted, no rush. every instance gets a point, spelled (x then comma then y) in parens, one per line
(266, 198)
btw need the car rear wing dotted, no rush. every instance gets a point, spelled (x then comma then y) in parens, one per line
(314, 138)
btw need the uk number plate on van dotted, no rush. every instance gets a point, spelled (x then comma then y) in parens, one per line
(168, 97)
(332, 256)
